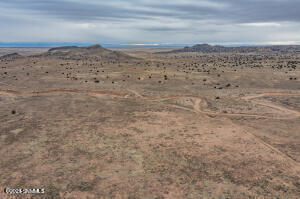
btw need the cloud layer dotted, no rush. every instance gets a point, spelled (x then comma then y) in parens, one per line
(151, 21)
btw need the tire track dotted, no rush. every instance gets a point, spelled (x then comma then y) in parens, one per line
(293, 113)
(196, 106)
(248, 133)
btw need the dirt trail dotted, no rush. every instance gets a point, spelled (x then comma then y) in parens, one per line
(293, 113)
(162, 98)
(103, 92)
(159, 98)
(274, 93)
(283, 155)
(197, 105)
(278, 107)
(135, 93)
(197, 100)
(196, 108)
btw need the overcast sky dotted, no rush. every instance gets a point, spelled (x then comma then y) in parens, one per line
(151, 21)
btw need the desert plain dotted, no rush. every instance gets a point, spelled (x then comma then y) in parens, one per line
(142, 123)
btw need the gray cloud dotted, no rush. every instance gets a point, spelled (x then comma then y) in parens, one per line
(177, 21)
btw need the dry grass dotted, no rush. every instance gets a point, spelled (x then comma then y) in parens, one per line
(130, 136)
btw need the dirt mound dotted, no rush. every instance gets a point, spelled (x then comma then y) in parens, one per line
(94, 51)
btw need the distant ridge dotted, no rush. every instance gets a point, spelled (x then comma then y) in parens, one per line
(96, 46)
(206, 48)
(11, 56)
(94, 51)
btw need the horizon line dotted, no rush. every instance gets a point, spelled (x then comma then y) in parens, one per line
(136, 44)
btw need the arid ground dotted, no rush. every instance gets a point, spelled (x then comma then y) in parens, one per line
(148, 125)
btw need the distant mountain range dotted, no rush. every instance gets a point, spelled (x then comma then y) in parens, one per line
(206, 48)
(78, 53)
(106, 45)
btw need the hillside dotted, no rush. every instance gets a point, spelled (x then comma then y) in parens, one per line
(11, 56)
(206, 48)
(94, 51)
